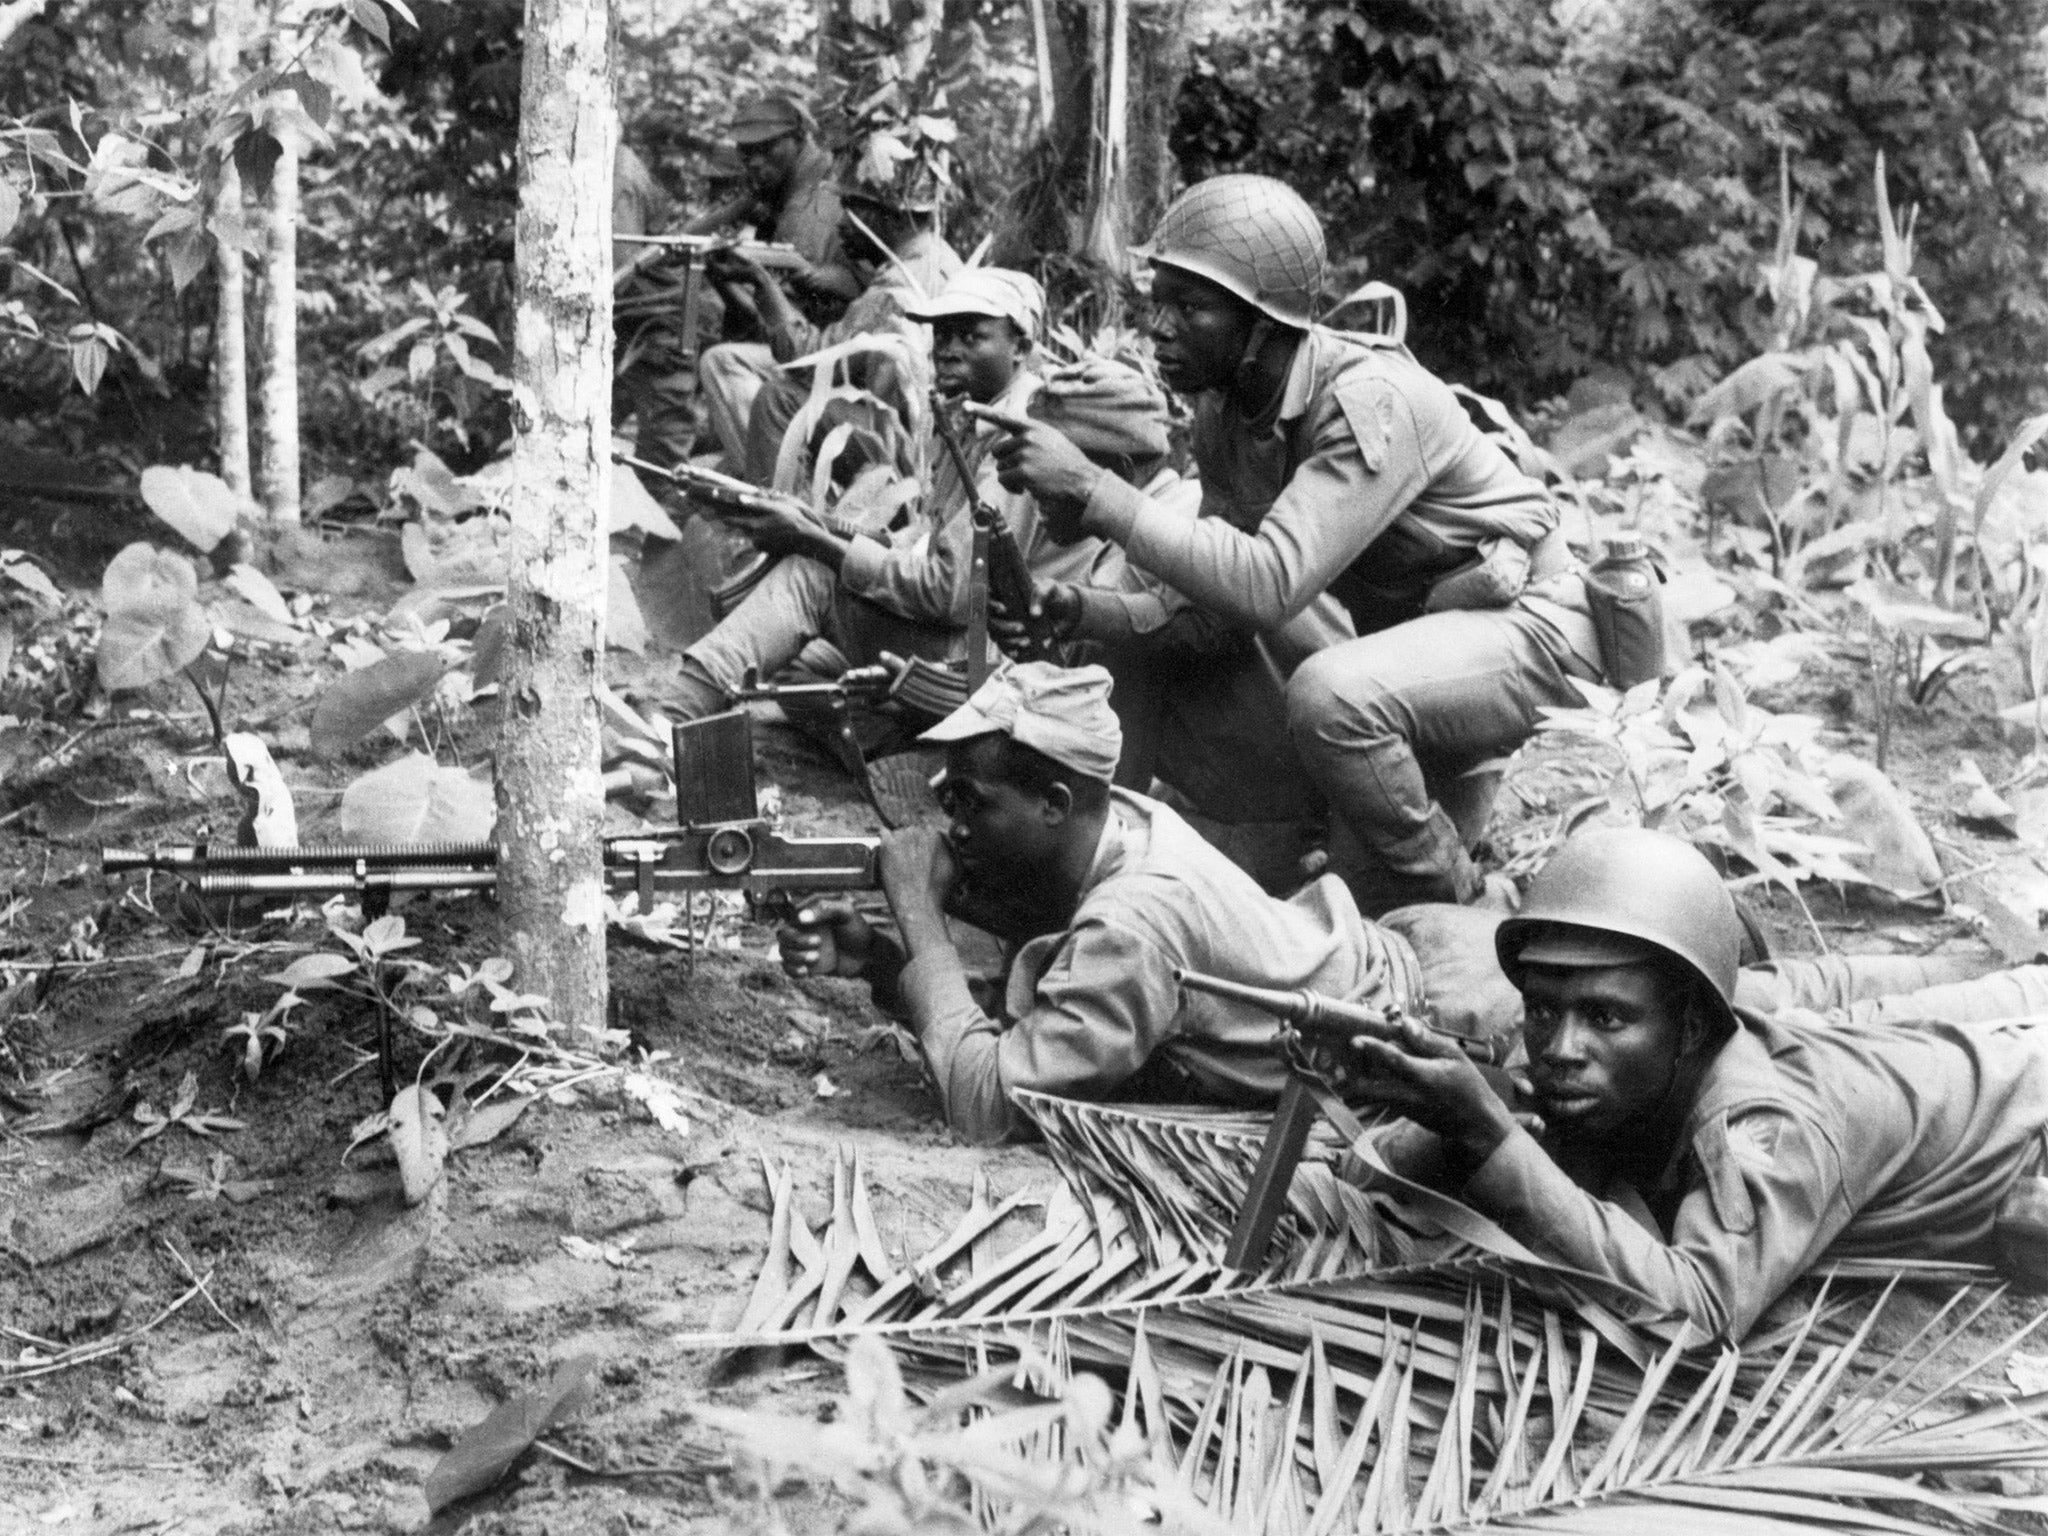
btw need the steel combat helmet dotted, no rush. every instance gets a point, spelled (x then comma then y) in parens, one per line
(1614, 893)
(1252, 235)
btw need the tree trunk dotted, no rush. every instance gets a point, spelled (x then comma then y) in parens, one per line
(1159, 63)
(230, 325)
(550, 797)
(277, 472)
(1101, 174)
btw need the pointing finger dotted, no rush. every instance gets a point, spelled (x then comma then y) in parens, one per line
(1009, 421)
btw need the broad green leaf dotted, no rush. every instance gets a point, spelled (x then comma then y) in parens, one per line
(419, 1140)
(259, 592)
(155, 626)
(486, 1453)
(356, 703)
(25, 574)
(313, 971)
(633, 507)
(199, 506)
(89, 353)
(416, 800)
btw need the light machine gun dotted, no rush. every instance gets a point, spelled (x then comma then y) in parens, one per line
(721, 843)
(1315, 1045)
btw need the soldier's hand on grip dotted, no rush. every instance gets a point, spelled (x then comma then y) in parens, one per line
(827, 939)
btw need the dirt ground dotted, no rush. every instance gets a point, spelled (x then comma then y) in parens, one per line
(342, 1339)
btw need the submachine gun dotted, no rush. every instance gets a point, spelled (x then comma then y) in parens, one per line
(721, 843)
(999, 571)
(686, 291)
(1314, 1044)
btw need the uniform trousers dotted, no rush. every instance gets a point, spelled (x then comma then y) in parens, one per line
(731, 375)
(1210, 729)
(1376, 720)
(799, 601)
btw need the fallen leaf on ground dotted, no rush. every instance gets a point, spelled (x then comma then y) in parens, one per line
(2028, 1373)
(1901, 859)
(487, 1452)
(618, 1255)
(660, 1100)
(419, 1139)
(1973, 799)
(824, 1087)
(474, 1127)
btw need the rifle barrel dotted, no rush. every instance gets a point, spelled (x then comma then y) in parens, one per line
(1307, 1011)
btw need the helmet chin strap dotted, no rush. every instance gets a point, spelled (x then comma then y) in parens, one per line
(1245, 377)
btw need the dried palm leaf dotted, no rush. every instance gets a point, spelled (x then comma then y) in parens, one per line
(1335, 1392)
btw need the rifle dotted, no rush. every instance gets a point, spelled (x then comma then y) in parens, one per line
(998, 571)
(724, 493)
(1318, 1027)
(694, 250)
(721, 843)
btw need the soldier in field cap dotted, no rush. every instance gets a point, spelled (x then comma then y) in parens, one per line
(1102, 894)
(790, 195)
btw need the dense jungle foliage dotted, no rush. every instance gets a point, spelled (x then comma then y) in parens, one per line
(1558, 188)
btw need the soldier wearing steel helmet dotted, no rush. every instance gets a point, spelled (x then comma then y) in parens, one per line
(1337, 464)
(1697, 1152)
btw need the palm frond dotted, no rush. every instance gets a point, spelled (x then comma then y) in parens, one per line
(1444, 1391)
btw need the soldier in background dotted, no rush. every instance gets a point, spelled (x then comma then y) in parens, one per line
(888, 236)
(790, 196)
(652, 381)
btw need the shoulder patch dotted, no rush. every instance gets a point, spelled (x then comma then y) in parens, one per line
(1369, 409)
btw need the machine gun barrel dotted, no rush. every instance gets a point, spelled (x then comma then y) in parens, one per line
(202, 858)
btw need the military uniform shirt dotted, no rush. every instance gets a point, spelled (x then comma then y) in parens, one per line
(923, 573)
(1088, 1008)
(809, 215)
(1806, 1140)
(1363, 437)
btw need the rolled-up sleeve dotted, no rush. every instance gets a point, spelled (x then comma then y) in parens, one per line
(1766, 1198)
(1331, 508)
(925, 579)
(1106, 1002)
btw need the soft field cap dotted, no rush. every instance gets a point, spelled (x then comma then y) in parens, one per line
(1105, 409)
(769, 117)
(1061, 711)
(994, 292)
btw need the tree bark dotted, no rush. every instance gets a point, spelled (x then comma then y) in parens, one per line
(1101, 173)
(550, 794)
(1159, 63)
(224, 218)
(277, 469)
